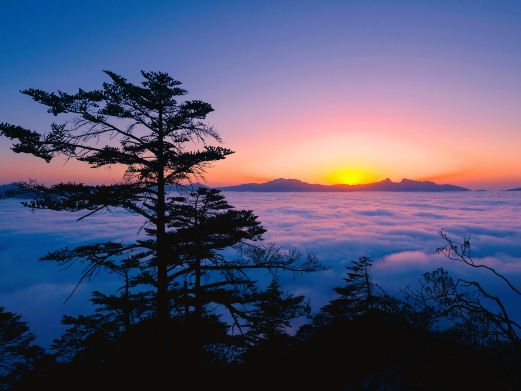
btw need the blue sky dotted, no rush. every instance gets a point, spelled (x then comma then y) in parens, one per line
(439, 77)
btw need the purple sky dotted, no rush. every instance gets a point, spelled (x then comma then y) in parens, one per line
(329, 91)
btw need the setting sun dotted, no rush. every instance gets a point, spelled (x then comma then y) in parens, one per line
(351, 176)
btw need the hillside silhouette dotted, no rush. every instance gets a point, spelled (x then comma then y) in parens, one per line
(295, 185)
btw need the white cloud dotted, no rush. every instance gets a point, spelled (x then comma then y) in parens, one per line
(397, 230)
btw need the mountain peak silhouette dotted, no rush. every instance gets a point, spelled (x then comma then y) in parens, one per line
(296, 185)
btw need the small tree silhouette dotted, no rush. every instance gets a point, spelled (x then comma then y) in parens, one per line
(499, 318)
(272, 313)
(75, 339)
(218, 253)
(462, 307)
(359, 296)
(18, 353)
(356, 296)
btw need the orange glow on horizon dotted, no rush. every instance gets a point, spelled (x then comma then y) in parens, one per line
(351, 176)
(361, 143)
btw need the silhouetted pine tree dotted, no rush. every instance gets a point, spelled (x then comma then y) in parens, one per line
(161, 142)
(114, 315)
(359, 296)
(81, 331)
(126, 307)
(272, 313)
(204, 225)
(145, 129)
(18, 353)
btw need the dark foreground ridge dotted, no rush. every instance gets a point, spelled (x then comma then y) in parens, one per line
(295, 185)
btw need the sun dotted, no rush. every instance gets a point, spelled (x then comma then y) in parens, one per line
(351, 176)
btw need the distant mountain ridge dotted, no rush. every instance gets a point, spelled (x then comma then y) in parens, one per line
(515, 189)
(8, 187)
(13, 190)
(295, 185)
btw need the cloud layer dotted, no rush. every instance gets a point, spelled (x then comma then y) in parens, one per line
(399, 231)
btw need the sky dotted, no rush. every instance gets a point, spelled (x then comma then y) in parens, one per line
(322, 91)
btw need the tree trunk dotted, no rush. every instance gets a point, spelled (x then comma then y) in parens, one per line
(127, 306)
(162, 280)
(163, 310)
(198, 304)
(368, 287)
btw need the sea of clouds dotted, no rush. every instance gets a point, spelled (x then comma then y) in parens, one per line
(399, 231)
